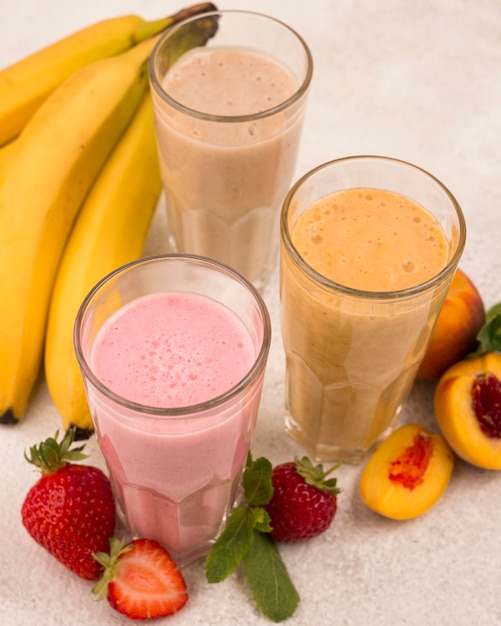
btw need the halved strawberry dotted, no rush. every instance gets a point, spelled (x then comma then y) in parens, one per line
(140, 579)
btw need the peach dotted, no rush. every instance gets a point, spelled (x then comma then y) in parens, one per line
(454, 335)
(408, 473)
(467, 405)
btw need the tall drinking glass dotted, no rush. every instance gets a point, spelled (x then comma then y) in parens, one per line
(229, 116)
(173, 352)
(369, 246)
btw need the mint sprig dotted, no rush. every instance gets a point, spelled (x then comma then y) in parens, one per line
(258, 488)
(245, 540)
(489, 336)
(268, 579)
(231, 546)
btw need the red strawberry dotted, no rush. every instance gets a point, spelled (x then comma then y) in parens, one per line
(304, 502)
(141, 580)
(70, 511)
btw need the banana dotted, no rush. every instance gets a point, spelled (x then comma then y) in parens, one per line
(27, 83)
(110, 231)
(57, 157)
(6, 154)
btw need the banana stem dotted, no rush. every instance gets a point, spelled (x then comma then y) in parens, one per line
(148, 29)
(197, 33)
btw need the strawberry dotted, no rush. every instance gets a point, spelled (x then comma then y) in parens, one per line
(304, 503)
(70, 511)
(140, 579)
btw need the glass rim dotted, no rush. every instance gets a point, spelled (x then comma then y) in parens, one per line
(361, 293)
(193, 410)
(248, 117)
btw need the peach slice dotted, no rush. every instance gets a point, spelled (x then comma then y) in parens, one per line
(454, 335)
(407, 474)
(468, 409)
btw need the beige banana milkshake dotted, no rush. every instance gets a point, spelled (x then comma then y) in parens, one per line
(229, 117)
(364, 272)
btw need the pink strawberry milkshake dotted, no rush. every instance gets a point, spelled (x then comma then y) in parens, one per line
(177, 439)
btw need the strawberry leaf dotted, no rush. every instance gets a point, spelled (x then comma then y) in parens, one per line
(51, 455)
(257, 483)
(316, 476)
(268, 580)
(230, 547)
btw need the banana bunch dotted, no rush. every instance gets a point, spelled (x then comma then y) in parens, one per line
(6, 153)
(110, 231)
(27, 83)
(79, 182)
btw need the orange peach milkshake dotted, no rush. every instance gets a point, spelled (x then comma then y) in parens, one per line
(364, 272)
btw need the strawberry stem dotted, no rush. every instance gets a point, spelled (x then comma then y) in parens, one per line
(51, 455)
(109, 563)
(315, 475)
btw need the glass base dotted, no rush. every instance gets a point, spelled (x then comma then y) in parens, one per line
(231, 247)
(186, 529)
(330, 452)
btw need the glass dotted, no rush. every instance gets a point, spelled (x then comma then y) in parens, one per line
(226, 166)
(352, 355)
(175, 471)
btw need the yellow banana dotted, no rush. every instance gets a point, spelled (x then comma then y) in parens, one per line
(110, 231)
(57, 157)
(6, 154)
(27, 83)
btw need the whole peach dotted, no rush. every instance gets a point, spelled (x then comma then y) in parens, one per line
(454, 336)
(467, 404)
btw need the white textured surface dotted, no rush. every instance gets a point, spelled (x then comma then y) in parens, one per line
(414, 80)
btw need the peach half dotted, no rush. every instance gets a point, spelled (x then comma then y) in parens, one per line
(407, 473)
(467, 405)
(454, 335)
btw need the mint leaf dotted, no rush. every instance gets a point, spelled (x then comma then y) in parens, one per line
(489, 336)
(261, 520)
(257, 484)
(231, 545)
(245, 540)
(269, 582)
(493, 311)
